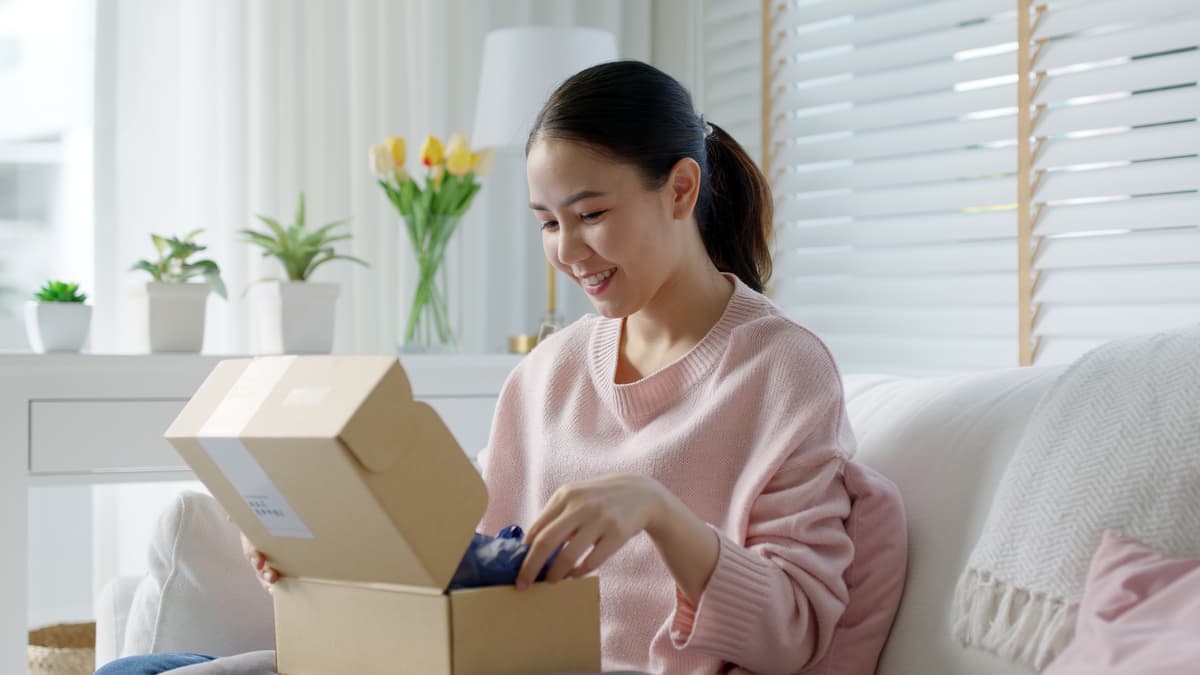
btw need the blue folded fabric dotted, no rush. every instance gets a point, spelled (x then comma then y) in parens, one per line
(494, 561)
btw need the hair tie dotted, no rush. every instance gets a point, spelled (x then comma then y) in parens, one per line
(708, 128)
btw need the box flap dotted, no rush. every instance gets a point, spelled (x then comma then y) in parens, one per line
(206, 399)
(332, 469)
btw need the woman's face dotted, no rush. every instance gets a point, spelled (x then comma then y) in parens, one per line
(601, 227)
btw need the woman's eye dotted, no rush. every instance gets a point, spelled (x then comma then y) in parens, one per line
(549, 224)
(593, 215)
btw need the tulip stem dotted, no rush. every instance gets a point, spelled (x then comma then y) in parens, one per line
(428, 319)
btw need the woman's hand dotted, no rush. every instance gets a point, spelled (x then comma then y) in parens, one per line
(267, 575)
(599, 516)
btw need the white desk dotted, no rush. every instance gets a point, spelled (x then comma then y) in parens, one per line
(87, 419)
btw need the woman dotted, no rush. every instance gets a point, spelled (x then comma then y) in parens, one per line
(690, 442)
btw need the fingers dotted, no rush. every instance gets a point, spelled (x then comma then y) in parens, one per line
(601, 552)
(266, 575)
(548, 540)
(575, 548)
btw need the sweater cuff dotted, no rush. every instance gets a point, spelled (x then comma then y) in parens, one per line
(731, 605)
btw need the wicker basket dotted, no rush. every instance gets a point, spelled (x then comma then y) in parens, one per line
(63, 649)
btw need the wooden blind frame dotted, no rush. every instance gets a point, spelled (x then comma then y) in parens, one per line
(1027, 280)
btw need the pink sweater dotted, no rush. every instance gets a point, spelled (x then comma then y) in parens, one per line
(749, 430)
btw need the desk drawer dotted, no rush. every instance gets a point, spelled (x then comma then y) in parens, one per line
(107, 435)
(102, 435)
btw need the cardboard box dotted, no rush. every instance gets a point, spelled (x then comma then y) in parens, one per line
(363, 500)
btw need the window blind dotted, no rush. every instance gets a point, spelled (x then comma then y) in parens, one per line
(890, 143)
(1110, 212)
(983, 183)
(731, 69)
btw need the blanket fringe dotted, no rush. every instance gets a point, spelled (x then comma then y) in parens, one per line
(1013, 623)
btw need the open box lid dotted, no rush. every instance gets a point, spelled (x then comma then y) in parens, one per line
(332, 469)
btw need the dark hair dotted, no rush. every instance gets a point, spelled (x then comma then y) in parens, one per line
(635, 113)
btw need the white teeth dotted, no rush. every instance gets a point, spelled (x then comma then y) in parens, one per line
(597, 279)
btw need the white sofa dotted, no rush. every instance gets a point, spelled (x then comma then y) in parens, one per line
(944, 441)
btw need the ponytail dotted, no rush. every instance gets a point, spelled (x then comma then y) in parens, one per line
(638, 114)
(735, 220)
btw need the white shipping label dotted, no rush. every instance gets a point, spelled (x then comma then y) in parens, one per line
(305, 396)
(256, 487)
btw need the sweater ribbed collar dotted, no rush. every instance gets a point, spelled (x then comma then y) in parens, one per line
(651, 394)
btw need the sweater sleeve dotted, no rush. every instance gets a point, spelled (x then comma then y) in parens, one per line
(773, 601)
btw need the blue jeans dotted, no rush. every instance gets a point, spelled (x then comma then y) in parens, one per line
(152, 664)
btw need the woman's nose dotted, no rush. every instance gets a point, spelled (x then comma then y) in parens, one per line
(571, 247)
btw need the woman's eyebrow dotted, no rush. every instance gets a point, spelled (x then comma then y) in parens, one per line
(583, 194)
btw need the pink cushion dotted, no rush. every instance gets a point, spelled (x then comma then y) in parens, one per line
(1140, 614)
(876, 577)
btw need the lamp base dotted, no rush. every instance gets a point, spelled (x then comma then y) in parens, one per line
(521, 344)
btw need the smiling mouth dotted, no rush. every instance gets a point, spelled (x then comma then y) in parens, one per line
(598, 278)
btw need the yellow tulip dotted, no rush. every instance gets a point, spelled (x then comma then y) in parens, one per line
(458, 156)
(482, 161)
(381, 161)
(396, 145)
(431, 152)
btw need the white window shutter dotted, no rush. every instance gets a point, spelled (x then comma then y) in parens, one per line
(1114, 210)
(731, 70)
(891, 150)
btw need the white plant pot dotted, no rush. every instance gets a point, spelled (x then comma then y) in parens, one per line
(57, 326)
(168, 317)
(295, 317)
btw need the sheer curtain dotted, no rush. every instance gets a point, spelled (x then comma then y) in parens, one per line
(208, 111)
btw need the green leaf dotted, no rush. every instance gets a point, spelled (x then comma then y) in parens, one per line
(147, 266)
(300, 211)
(193, 234)
(212, 274)
(259, 239)
(327, 240)
(60, 291)
(318, 236)
(160, 244)
(275, 227)
(327, 257)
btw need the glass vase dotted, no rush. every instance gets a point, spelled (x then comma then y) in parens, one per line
(427, 328)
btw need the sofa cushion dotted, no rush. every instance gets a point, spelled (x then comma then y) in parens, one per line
(200, 594)
(1140, 614)
(875, 579)
(944, 442)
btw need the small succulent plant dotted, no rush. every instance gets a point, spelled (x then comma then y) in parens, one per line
(300, 250)
(60, 291)
(172, 265)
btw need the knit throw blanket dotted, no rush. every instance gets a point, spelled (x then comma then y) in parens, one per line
(1115, 443)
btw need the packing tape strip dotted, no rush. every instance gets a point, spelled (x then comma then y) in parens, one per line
(220, 436)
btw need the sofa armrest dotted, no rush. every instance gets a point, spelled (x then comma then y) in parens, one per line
(112, 614)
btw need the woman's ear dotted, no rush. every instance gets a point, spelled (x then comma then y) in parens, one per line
(684, 183)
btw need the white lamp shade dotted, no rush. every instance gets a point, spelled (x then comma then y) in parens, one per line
(521, 68)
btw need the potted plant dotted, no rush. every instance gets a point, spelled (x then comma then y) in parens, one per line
(57, 320)
(170, 309)
(297, 316)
